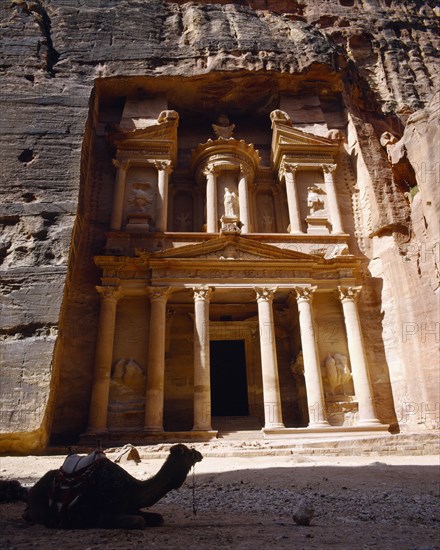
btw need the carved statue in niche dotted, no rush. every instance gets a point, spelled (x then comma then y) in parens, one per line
(140, 198)
(223, 129)
(230, 200)
(314, 201)
(265, 214)
(337, 373)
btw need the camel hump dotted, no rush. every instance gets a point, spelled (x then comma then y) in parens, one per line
(75, 463)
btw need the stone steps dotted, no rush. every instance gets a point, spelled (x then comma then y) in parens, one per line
(249, 443)
(234, 424)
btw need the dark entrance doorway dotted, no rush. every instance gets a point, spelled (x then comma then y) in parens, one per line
(229, 395)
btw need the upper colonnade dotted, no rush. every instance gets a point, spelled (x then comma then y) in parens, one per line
(225, 176)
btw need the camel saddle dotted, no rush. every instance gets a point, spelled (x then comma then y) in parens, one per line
(70, 481)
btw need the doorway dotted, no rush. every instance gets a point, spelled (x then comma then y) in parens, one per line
(229, 392)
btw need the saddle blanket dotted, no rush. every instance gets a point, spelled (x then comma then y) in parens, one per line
(71, 479)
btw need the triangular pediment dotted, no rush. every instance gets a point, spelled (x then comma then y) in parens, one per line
(230, 248)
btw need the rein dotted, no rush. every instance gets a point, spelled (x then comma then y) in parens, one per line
(194, 507)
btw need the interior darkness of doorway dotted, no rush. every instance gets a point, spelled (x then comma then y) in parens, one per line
(229, 394)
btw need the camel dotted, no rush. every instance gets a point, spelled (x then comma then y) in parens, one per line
(108, 497)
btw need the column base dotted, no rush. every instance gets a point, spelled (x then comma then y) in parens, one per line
(149, 430)
(277, 426)
(371, 422)
(204, 434)
(319, 424)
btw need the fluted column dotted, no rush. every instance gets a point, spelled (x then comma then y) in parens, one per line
(356, 350)
(163, 171)
(333, 206)
(273, 417)
(312, 368)
(118, 194)
(243, 199)
(154, 395)
(202, 381)
(288, 170)
(211, 199)
(103, 358)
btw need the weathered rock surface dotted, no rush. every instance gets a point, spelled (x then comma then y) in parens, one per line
(381, 56)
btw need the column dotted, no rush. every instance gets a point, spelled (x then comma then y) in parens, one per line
(312, 367)
(288, 170)
(103, 358)
(333, 206)
(202, 382)
(154, 395)
(211, 200)
(243, 199)
(164, 169)
(356, 350)
(118, 194)
(269, 364)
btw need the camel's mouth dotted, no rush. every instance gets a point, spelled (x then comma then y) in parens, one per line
(197, 457)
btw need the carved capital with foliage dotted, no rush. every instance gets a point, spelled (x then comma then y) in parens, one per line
(160, 293)
(163, 166)
(304, 293)
(109, 293)
(349, 293)
(120, 164)
(202, 293)
(264, 294)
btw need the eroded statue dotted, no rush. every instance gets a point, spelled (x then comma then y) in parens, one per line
(314, 201)
(223, 129)
(337, 373)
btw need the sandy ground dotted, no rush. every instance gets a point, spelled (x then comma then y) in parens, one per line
(248, 503)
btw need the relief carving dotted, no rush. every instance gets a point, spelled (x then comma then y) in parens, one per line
(314, 201)
(140, 199)
(223, 129)
(337, 374)
(127, 393)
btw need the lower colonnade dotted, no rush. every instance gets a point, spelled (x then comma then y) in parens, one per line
(264, 296)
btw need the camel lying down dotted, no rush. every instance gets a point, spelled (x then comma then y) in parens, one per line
(105, 495)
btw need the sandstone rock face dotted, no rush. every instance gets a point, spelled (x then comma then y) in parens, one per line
(363, 67)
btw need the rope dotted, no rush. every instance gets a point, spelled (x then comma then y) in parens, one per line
(194, 492)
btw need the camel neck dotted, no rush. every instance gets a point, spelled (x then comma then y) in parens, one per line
(171, 476)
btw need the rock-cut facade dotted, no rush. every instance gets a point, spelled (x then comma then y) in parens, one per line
(218, 217)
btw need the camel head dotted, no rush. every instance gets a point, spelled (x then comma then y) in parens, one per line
(189, 457)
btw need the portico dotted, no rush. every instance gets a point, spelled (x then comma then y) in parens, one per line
(275, 322)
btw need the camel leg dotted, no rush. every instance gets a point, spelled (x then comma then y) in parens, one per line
(151, 519)
(122, 521)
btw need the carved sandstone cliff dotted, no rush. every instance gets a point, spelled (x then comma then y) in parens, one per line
(375, 61)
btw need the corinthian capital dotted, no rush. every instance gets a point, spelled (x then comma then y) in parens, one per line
(328, 168)
(304, 293)
(287, 168)
(109, 293)
(202, 292)
(349, 293)
(264, 294)
(120, 164)
(163, 165)
(209, 169)
(158, 293)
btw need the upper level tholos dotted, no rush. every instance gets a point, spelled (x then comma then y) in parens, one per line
(223, 176)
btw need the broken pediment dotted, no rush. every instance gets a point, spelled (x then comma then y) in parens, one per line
(297, 145)
(158, 136)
